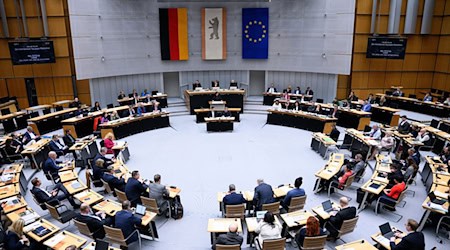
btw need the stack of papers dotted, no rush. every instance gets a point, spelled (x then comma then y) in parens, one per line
(55, 240)
(380, 238)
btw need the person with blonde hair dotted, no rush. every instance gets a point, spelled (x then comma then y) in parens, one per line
(109, 143)
(15, 239)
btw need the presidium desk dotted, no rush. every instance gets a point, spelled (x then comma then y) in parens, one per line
(200, 99)
(302, 120)
(127, 126)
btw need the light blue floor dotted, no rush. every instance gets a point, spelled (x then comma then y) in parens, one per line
(202, 164)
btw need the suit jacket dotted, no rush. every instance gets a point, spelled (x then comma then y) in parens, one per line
(412, 241)
(54, 146)
(134, 189)
(226, 114)
(126, 221)
(263, 195)
(51, 167)
(106, 160)
(114, 182)
(233, 199)
(403, 128)
(274, 89)
(12, 241)
(159, 192)
(42, 196)
(228, 239)
(27, 137)
(344, 214)
(94, 225)
(68, 140)
(309, 92)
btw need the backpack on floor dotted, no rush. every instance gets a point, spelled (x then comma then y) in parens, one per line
(177, 209)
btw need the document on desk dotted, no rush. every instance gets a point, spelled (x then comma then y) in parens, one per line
(383, 240)
(440, 194)
(32, 226)
(55, 240)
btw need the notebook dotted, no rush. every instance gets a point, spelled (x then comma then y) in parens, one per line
(140, 211)
(434, 199)
(260, 215)
(386, 230)
(374, 185)
(101, 245)
(327, 206)
(41, 231)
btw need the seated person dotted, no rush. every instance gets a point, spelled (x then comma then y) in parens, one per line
(367, 107)
(140, 109)
(397, 92)
(51, 165)
(312, 108)
(68, 139)
(414, 130)
(413, 239)
(196, 84)
(112, 180)
(160, 193)
(334, 133)
(335, 222)
(145, 93)
(114, 116)
(386, 144)
(374, 133)
(447, 101)
(127, 222)
(267, 229)
(215, 84)
(52, 198)
(109, 143)
(94, 221)
(272, 89)
(129, 112)
(371, 99)
(298, 91)
(445, 154)
(135, 188)
(263, 194)
(98, 169)
(230, 238)
(311, 229)
(423, 136)
(121, 95)
(352, 97)
(96, 107)
(276, 105)
(232, 198)
(357, 165)
(428, 97)
(233, 83)
(15, 238)
(296, 192)
(297, 106)
(104, 119)
(102, 155)
(309, 91)
(411, 170)
(286, 104)
(15, 146)
(75, 104)
(395, 172)
(57, 147)
(226, 112)
(403, 126)
(286, 96)
(390, 196)
(30, 136)
(156, 107)
(343, 179)
(415, 155)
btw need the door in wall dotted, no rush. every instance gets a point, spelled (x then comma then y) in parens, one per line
(257, 82)
(172, 84)
(31, 92)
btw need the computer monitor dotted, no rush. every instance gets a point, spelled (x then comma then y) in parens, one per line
(140, 209)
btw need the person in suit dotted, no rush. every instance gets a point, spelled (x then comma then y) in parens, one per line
(113, 181)
(263, 194)
(352, 97)
(367, 107)
(309, 91)
(30, 136)
(50, 165)
(121, 95)
(413, 240)
(297, 106)
(403, 126)
(272, 89)
(226, 112)
(296, 192)
(230, 238)
(160, 193)
(357, 165)
(232, 198)
(397, 92)
(414, 155)
(428, 97)
(94, 221)
(75, 104)
(98, 169)
(311, 229)
(68, 139)
(15, 238)
(15, 145)
(96, 107)
(56, 146)
(233, 83)
(102, 155)
(334, 133)
(336, 219)
(134, 188)
(298, 91)
(374, 133)
(156, 107)
(196, 84)
(423, 136)
(109, 142)
(217, 97)
(127, 222)
(371, 99)
(53, 197)
(445, 154)
(215, 84)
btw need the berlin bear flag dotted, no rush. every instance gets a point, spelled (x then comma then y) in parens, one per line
(255, 33)
(214, 34)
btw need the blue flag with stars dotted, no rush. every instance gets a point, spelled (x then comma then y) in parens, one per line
(255, 33)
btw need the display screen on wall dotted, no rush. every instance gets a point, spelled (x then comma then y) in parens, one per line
(32, 52)
(386, 47)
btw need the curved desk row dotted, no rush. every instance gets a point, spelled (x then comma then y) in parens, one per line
(428, 108)
(133, 125)
(302, 120)
(200, 99)
(162, 99)
(50, 122)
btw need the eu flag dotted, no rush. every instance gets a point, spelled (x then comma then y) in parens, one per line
(255, 33)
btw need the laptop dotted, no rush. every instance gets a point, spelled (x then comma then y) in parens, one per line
(101, 245)
(327, 206)
(386, 230)
(260, 215)
(435, 200)
(140, 211)
(374, 185)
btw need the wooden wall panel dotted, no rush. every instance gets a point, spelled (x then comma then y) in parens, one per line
(84, 91)
(61, 67)
(3, 88)
(13, 27)
(360, 62)
(44, 87)
(376, 79)
(55, 8)
(359, 80)
(4, 49)
(444, 45)
(16, 87)
(61, 47)
(6, 69)
(362, 24)
(427, 62)
(392, 79)
(443, 63)
(57, 27)
(35, 28)
(63, 86)
(360, 44)
(409, 79)
(377, 64)
(411, 62)
(445, 30)
(424, 80)
(85, 98)
(41, 70)
(46, 99)
(394, 65)
(430, 44)
(23, 71)
(364, 6)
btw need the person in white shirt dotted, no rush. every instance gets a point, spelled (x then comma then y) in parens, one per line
(272, 89)
(447, 101)
(277, 105)
(386, 143)
(423, 136)
(267, 229)
(374, 133)
(212, 113)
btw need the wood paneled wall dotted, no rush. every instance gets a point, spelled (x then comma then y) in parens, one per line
(53, 81)
(441, 78)
(417, 72)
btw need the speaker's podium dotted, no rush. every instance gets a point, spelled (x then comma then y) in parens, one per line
(219, 124)
(217, 105)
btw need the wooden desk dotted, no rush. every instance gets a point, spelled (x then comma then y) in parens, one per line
(132, 125)
(62, 103)
(318, 210)
(81, 126)
(382, 241)
(64, 239)
(385, 115)
(47, 123)
(372, 190)
(332, 167)
(357, 141)
(89, 197)
(429, 208)
(13, 203)
(302, 120)
(71, 190)
(282, 191)
(219, 124)
(25, 213)
(320, 143)
(356, 245)
(68, 175)
(91, 246)
(352, 118)
(220, 225)
(110, 207)
(201, 114)
(37, 152)
(429, 108)
(296, 219)
(14, 121)
(173, 192)
(28, 230)
(269, 98)
(11, 105)
(9, 190)
(199, 99)
(252, 224)
(38, 107)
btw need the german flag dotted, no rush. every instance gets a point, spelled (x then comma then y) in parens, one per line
(173, 29)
